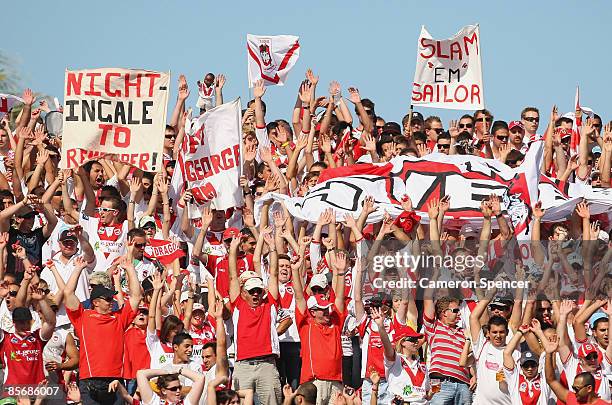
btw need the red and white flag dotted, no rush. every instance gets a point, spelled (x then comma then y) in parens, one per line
(271, 58)
(7, 102)
(575, 141)
(210, 162)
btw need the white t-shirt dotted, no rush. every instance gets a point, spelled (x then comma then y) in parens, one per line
(407, 378)
(6, 319)
(520, 387)
(156, 400)
(161, 354)
(108, 242)
(489, 362)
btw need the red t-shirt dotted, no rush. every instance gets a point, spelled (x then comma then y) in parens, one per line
(572, 400)
(321, 346)
(102, 339)
(255, 328)
(23, 358)
(136, 353)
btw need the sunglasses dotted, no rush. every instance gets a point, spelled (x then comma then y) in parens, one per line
(438, 130)
(170, 136)
(530, 364)
(258, 193)
(532, 119)
(317, 290)
(12, 294)
(516, 131)
(454, 310)
(466, 125)
(145, 312)
(591, 357)
(497, 308)
(503, 138)
(254, 291)
(597, 126)
(512, 162)
(443, 146)
(140, 245)
(413, 339)
(104, 209)
(487, 119)
(176, 388)
(28, 216)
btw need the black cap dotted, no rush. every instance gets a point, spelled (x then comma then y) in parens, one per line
(22, 314)
(68, 234)
(417, 116)
(147, 285)
(502, 302)
(99, 291)
(392, 128)
(382, 298)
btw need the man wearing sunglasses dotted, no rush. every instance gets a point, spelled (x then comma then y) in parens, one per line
(500, 139)
(530, 119)
(101, 333)
(466, 123)
(446, 341)
(107, 234)
(71, 242)
(254, 315)
(433, 128)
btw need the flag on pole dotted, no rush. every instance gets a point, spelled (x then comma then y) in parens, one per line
(575, 141)
(271, 58)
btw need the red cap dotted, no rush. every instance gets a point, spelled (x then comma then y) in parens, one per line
(405, 332)
(586, 349)
(514, 124)
(229, 233)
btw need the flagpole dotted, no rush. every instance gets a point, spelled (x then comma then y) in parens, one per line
(410, 112)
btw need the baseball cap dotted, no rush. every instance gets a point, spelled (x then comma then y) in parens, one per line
(184, 296)
(595, 317)
(596, 150)
(502, 302)
(254, 282)
(146, 221)
(529, 356)
(247, 275)
(147, 285)
(468, 231)
(318, 301)
(392, 128)
(417, 116)
(587, 349)
(381, 298)
(22, 314)
(229, 233)
(99, 291)
(514, 124)
(198, 307)
(318, 280)
(67, 234)
(565, 132)
(603, 236)
(403, 332)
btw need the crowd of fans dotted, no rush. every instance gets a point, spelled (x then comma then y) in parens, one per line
(269, 309)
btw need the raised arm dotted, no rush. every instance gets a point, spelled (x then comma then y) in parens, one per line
(389, 351)
(48, 315)
(179, 107)
(477, 313)
(339, 266)
(258, 91)
(71, 301)
(234, 287)
(551, 347)
(273, 270)
(511, 346)
(366, 120)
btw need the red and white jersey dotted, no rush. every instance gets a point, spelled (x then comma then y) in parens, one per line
(202, 336)
(372, 351)
(407, 378)
(255, 328)
(524, 391)
(161, 353)
(108, 242)
(23, 358)
(490, 362)
(572, 368)
(218, 266)
(287, 307)
(213, 244)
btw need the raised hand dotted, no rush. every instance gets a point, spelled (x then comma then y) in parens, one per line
(485, 208)
(311, 77)
(368, 204)
(582, 209)
(354, 96)
(369, 143)
(422, 150)
(207, 216)
(220, 81)
(135, 184)
(157, 282)
(377, 316)
(334, 89)
(453, 128)
(349, 220)
(28, 97)
(259, 89)
(537, 210)
(406, 203)
(433, 209)
(265, 154)
(566, 307)
(305, 92)
(551, 344)
(250, 152)
(326, 146)
(279, 220)
(387, 225)
(183, 88)
(326, 217)
(42, 156)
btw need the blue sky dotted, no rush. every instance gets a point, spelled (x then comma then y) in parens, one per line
(534, 52)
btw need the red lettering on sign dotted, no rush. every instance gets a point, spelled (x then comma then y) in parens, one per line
(203, 194)
(73, 83)
(129, 84)
(425, 44)
(152, 77)
(107, 85)
(92, 84)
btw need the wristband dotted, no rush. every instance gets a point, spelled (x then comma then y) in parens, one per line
(284, 145)
(131, 202)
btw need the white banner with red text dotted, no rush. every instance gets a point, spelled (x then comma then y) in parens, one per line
(210, 162)
(118, 114)
(271, 58)
(448, 72)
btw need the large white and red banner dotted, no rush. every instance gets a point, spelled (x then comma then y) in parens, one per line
(210, 162)
(271, 58)
(7, 102)
(466, 179)
(115, 113)
(448, 72)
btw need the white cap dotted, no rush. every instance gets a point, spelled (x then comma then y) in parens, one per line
(198, 306)
(318, 301)
(318, 280)
(254, 282)
(247, 275)
(468, 230)
(184, 296)
(603, 236)
(146, 219)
